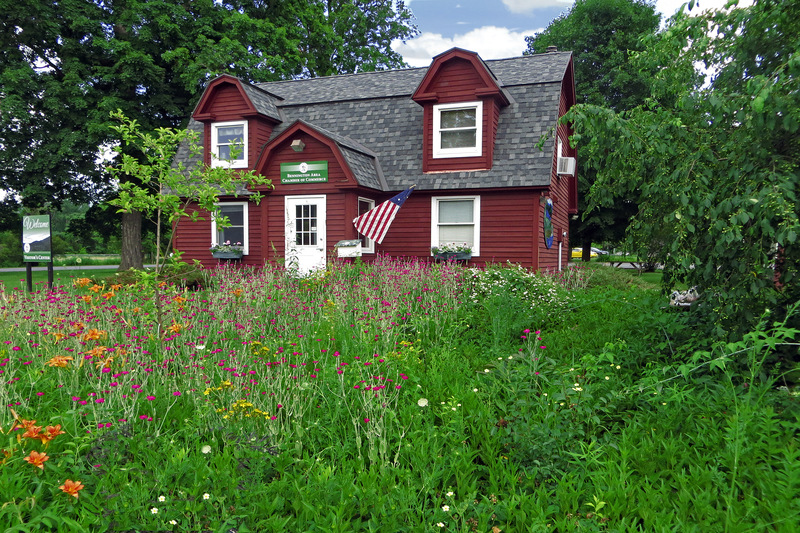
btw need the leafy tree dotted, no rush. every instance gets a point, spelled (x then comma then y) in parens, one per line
(339, 36)
(65, 66)
(163, 192)
(718, 170)
(601, 35)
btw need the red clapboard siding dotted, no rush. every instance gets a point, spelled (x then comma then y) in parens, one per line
(228, 103)
(410, 233)
(194, 238)
(507, 221)
(315, 150)
(456, 81)
(509, 227)
(259, 132)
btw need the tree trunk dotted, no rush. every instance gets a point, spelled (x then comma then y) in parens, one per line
(586, 254)
(132, 255)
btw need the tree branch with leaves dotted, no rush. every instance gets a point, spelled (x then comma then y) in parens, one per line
(163, 190)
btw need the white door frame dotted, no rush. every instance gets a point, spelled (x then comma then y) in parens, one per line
(305, 252)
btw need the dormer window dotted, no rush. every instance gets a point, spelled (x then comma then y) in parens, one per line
(458, 130)
(229, 144)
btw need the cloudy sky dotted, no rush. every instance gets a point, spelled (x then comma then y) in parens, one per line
(493, 28)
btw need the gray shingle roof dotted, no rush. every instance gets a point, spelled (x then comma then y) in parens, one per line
(184, 155)
(379, 128)
(264, 103)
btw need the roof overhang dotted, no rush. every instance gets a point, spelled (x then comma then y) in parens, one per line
(491, 89)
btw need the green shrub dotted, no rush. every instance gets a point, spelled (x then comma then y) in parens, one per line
(10, 248)
(502, 300)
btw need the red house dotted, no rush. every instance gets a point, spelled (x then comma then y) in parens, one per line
(464, 131)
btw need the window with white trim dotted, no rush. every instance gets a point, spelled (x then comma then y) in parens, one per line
(456, 219)
(367, 244)
(229, 144)
(236, 230)
(458, 130)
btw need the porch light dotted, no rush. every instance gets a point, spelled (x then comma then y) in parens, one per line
(298, 145)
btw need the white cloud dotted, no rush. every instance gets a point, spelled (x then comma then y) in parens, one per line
(490, 42)
(526, 6)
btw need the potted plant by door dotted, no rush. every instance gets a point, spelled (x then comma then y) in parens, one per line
(226, 250)
(455, 251)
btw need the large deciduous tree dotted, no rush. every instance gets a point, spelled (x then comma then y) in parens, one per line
(714, 159)
(602, 34)
(65, 66)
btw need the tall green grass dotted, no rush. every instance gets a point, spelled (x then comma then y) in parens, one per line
(398, 396)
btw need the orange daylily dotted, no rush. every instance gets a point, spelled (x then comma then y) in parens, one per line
(82, 282)
(71, 487)
(21, 422)
(237, 292)
(58, 336)
(32, 432)
(116, 286)
(108, 295)
(179, 300)
(106, 363)
(37, 459)
(51, 432)
(97, 351)
(94, 334)
(175, 327)
(86, 298)
(95, 288)
(77, 325)
(60, 361)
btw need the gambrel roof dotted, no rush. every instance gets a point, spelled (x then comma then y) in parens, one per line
(378, 127)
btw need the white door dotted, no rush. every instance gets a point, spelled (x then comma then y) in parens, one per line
(305, 233)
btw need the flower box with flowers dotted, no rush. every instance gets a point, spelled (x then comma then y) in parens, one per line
(452, 251)
(226, 250)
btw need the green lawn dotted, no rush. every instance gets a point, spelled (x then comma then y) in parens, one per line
(13, 280)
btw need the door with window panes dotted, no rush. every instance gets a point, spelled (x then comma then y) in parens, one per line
(305, 233)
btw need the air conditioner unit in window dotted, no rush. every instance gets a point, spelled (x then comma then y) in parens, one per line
(566, 165)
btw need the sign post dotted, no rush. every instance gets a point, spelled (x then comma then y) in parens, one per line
(36, 246)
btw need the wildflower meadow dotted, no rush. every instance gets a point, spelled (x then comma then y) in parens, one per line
(395, 396)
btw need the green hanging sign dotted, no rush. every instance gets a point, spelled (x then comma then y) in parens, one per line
(306, 172)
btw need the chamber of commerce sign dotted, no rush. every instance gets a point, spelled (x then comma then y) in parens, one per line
(306, 172)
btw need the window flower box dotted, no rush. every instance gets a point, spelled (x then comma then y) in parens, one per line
(227, 255)
(227, 250)
(452, 251)
(453, 256)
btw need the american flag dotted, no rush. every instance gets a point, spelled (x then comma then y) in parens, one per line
(375, 222)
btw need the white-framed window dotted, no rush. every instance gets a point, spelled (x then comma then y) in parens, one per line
(237, 228)
(367, 244)
(227, 139)
(458, 130)
(456, 219)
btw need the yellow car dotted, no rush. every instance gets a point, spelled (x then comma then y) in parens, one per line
(577, 253)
